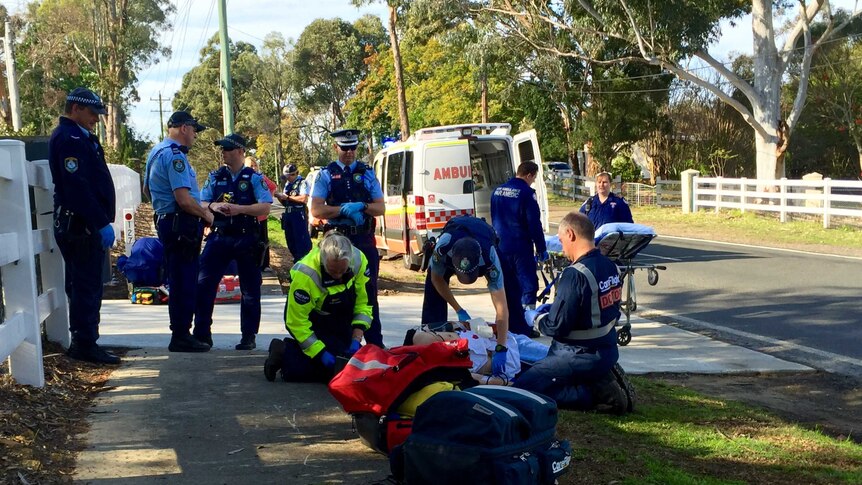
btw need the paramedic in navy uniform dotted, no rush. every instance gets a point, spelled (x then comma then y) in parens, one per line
(84, 206)
(518, 221)
(294, 220)
(467, 247)
(605, 207)
(348, 195)
(170, 181)
(577, 371)
(236, 195)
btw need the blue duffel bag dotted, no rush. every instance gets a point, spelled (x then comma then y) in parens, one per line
(485, 434)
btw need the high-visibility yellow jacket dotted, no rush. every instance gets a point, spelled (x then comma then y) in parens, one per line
(307, 293)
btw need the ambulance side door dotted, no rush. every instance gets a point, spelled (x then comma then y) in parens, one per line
(526, 148)
(396, 203)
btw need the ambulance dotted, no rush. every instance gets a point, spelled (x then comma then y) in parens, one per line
(447, 171)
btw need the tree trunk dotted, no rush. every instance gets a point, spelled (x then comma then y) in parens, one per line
(399, 73)
(768, 70)
(571, 150)
(112, 126)
(484, 87)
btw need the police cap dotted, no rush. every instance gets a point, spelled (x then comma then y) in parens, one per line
(87, 98)
(346, 138)
(289, 169)
(466, 257)
(181, 118)
(232, 141)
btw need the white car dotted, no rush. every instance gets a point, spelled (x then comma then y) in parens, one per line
(555, 170)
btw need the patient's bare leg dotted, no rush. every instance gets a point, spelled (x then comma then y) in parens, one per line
(426, 338)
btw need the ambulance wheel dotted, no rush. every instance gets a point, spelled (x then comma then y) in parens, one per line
(412, 262)
(652, 277)
(624, 336)
(633, 307)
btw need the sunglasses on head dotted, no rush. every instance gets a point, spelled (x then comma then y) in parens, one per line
(348, 148)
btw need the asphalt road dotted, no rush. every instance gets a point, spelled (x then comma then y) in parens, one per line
(801, 306)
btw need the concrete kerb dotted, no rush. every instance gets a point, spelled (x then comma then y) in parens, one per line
(213, 418)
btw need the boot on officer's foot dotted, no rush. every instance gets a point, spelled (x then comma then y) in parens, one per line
(246, 343)
(91, 353)
(186, 343)
(274, 359)
(608, 396)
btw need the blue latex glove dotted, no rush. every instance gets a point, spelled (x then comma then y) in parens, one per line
(358, 218)
(498, 363)
(463, 316)
(327, 359)
(350, 208)
(530, 316)
(541, 258)
(354, 346)
(107, 235)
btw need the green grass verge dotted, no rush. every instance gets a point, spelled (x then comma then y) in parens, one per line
(276, 234)
(681, 437)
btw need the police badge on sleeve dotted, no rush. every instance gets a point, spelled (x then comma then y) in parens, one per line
(71, 164)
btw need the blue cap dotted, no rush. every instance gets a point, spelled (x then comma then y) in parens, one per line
(466, 257)
(233, 140)
(181, 118)
(289, 169)
(88, 98)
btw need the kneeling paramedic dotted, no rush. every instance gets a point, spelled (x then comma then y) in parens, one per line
(236, 195)
(327, 312)
(467, 247)
(577, 371)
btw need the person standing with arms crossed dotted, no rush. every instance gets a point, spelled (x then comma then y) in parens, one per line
(84, 207)
(171, 184)
(294, 220)
(518, 221)
(348, 195)
(236, 195)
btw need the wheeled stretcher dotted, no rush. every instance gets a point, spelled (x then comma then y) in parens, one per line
(621, 242)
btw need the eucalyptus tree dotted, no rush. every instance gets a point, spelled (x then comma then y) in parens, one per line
(667, 34)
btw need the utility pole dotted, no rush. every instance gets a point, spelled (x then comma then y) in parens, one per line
(161, 113)
(12, 78)
(226, 86)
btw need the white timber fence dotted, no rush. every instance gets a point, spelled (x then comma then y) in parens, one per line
(26, 236)
(31, 266)
(825, 199)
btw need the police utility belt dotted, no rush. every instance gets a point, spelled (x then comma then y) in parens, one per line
(349, 229)
(290, 209)
(239, 225)
(67, 222)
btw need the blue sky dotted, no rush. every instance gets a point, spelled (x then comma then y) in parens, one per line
(250, 20)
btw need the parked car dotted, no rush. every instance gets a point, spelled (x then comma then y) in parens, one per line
(555, 170)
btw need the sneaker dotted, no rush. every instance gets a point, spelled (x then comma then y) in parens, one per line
(273, 360)
(408, 337)
(91, 353)
(609, 397)
(186, 343)
(205, 339)
(246, 343)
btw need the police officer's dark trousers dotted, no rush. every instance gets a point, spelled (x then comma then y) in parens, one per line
(218, 252)
(84, 261)
(436, 310)
(523, 264)
(366, 244)
(294, 221)
(333, 328)
(569, 371)
(180, 234)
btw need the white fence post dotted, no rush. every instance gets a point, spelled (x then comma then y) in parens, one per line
(827, 201)
(782, 214)
(743, 199)
(688, 180)
(20, 338)
(54, 308)
(718, 195)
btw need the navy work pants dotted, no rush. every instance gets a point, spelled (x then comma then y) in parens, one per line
(294, 221)
(568, 373)
(524, 265)
(333, 330)
(219, 251)
(436, 310)
(84, 261)
(366, 244)
(180, 235)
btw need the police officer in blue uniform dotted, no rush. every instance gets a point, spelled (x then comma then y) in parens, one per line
(171, 184)
(605, 207)
(236, 195)
(517, 219)
(467, 247)
(294, 220)
(348, 195)
(577, 372)
(84, 207)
